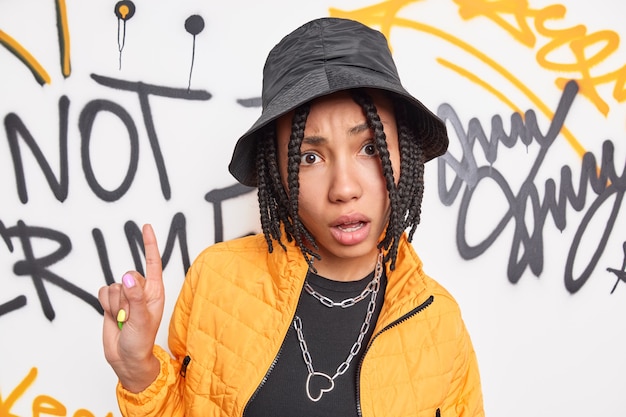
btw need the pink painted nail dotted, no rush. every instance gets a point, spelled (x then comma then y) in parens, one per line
(128, 280)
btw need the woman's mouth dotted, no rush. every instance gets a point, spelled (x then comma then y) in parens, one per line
(350, 227)
(350, 231)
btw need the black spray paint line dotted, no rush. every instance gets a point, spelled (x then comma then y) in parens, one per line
(216, 197)
(16, 128)
(619, 273)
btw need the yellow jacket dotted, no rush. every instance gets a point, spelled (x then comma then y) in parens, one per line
(234, 311)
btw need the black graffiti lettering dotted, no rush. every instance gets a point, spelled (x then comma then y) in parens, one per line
(85, 125)
(143, 92)
(216, 197)
(12, 305)
(527, 245)
(178, 231)
(616, 187)
(5, 236)
(19, 301)
(103, 256)
(467, 171)
(37, 268)
(532, 243)
(15, 128)
(619, 273)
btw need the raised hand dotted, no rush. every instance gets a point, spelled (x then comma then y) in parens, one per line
(132, 314)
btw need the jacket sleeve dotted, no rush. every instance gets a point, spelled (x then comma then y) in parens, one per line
(165, 396)
(466, 395)
(162, 398)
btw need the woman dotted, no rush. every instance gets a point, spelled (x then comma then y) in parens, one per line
(328, 311)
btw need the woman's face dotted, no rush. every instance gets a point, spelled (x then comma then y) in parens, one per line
(343, 199)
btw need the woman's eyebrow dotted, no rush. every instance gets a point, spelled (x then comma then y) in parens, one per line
(358, 129)
(314, 140)
(318, 140)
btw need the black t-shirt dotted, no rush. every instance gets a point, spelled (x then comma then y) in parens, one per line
(329, 334)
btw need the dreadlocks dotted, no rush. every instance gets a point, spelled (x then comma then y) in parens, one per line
(278, 205)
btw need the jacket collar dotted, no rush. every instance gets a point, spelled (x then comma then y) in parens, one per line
(406, 285)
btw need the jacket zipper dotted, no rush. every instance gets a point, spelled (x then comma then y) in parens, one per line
(183, 368)
(275, 361)
(404, 318)
(269, 371)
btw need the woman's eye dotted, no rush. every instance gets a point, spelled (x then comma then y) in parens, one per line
(309, 158)
(369, 149)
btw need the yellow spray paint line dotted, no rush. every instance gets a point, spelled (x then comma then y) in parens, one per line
(17, 393)
(64, 38)
(569, 136)
(479, 81)
(23, 55)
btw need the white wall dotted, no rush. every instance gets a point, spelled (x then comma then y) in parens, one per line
(536, 293)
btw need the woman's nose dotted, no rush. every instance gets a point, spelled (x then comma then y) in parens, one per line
(345, 182)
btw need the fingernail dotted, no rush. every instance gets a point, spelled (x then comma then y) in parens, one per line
(128, 280)
(121, 315)
(121, 318)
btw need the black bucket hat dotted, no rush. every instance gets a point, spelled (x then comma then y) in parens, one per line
(321, 57)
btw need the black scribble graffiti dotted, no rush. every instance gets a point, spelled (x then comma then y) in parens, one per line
(619, 273)
(124, 10)
(193, 25)
(527, 246)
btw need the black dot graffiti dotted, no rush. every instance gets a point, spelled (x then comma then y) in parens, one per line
(194, 25)
(124, 10)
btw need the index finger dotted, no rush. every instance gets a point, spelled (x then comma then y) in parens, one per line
(154, 270)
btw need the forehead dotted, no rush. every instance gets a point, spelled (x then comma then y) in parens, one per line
(331, 104)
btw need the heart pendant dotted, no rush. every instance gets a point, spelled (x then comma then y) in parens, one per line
(323, 382)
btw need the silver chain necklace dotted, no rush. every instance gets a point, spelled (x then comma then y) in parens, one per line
(356, 347)
(348, 302)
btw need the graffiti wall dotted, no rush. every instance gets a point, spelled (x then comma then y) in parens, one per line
(115, 114)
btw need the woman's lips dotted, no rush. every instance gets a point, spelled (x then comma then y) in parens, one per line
(350, 230)
(350, 227)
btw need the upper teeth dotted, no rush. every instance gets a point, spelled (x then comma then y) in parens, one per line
(351, 227)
